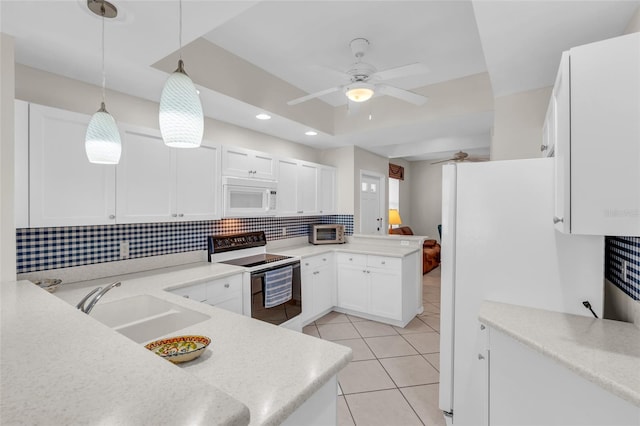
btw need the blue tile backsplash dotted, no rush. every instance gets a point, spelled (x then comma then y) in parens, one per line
(62, 247)
(618, 249)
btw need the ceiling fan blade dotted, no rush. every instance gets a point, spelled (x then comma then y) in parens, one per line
(314, 95)
(444, 161)
(402, 94)
(403, 71)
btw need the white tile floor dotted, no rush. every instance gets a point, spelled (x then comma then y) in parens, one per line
(393, 377)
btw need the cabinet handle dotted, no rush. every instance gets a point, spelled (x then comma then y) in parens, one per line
(226, 285)
(368, 272)
(557, 219)
(350, 259)
(112, 216)
(482, 327)
(181, 215)
(383, 262)
(364, 271)
(543, 148)
(324, 259)
(306, 264)
(174, 215)
(480, 356)
(186, 296)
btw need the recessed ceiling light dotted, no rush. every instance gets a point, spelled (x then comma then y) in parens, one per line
(263, 116)
(310, 133)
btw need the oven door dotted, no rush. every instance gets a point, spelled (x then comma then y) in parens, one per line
(283, 312)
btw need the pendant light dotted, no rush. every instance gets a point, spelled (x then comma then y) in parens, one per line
(181, 118)
(102, 141)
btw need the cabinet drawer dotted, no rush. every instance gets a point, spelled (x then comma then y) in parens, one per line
(224, 288)
(315, 261)
(384, 262)
(352, 259)
(197, 292)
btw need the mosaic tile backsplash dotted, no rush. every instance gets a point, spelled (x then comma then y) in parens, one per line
(41, 249)
(617, 250)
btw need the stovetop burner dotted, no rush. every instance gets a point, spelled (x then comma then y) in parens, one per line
(256, 260)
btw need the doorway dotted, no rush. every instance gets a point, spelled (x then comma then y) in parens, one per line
(372, 199)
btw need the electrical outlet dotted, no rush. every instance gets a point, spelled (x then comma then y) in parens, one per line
(625, 266)
(284, 231)
(124, 249)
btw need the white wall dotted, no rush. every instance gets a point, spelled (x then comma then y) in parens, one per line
(49, 89)
(342, 159)
(426, 198)
(7, 224)
(517, 131)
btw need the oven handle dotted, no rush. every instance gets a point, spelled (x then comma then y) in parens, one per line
(261, 272)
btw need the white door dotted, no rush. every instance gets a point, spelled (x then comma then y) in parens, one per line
(197, 183)
(146, 178)
(371, 197)
(65, 188)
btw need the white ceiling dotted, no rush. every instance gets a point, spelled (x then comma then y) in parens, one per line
(517, 42)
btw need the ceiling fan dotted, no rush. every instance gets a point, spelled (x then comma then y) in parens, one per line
(459, 157)
(365, 80)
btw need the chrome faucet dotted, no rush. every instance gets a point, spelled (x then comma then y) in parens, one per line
(101, 292)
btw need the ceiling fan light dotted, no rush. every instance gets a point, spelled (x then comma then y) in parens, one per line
(181, 117)
(102, 141)
(359, 92)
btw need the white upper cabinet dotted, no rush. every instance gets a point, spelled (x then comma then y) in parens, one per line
(297, 188)
(597, 139)
(21, 166)
(65, 189)
(146, 178)
(161, 184)
(327, 190)
(247, 163)
(198, 188)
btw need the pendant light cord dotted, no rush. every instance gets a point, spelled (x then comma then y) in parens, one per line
(104, 74)
(180, 36)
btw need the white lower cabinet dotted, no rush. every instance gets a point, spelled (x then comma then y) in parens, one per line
(318, 286)
(224, 293)
(378, 287)
(529, 388)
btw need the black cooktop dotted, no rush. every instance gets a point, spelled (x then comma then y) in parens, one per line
(256, 260)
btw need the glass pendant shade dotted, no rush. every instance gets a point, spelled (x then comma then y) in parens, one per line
(359, 92)
(102, 142)
(181, 117)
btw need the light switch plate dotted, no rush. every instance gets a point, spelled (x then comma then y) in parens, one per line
(124, 249)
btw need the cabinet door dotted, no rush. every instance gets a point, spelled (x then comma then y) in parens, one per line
(327, 190)
(21, 165)
(605, 153)
(353, 288)
(385, 293)
(307, 188)
(236, 162)
(562, 152)
(65, 188)
(146, 178)
(287, 201)
(263, 166)
(307, 275)
(324, 288)
(197, 193)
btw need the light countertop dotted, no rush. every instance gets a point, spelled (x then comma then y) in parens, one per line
(603, 351)
(91, 374)
(306, 250)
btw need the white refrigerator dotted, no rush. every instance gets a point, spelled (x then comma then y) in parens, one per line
(499, 244)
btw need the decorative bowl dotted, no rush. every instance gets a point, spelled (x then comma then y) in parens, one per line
(49, 284)
(180, 348)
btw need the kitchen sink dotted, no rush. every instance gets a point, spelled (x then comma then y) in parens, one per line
(145, 318)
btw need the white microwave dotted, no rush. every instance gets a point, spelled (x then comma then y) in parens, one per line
(248, 197)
